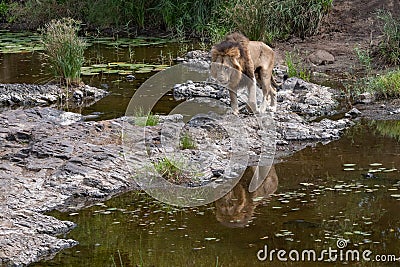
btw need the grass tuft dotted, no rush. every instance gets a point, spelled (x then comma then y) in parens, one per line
(294, 67)
(171, 170)
(64, 49)
(187, 142)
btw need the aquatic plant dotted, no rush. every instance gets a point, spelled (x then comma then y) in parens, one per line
(64, 50)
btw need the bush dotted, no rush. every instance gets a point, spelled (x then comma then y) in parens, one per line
(389, 47)
(382, 85)
(269, 20)
(387, 85)
(64, 49)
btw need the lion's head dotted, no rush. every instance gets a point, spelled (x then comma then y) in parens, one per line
(226, 67)
(230, 59)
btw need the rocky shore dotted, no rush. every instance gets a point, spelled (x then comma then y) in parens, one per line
(30, 95)
(50, 159)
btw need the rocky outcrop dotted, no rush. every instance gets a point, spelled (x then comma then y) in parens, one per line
(52, 159)
(44, 95)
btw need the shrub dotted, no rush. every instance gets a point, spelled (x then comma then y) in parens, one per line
(382, 85)
(64, 49)
(389, 47)
(269, 20)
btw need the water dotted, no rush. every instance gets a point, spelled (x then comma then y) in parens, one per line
(29, 67)
(315, 202)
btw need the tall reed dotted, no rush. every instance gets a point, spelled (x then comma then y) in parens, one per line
(64, 50)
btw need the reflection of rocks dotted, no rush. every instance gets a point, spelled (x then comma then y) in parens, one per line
(43, 95)
(236, 208)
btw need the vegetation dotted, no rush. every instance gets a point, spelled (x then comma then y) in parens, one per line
(294, 67)
(259, 19)
(143, 119)
(64, 49)
(187, 142)
(389, 47)
(382, 85)
(270, 20)
(387, 128)
(171, 170)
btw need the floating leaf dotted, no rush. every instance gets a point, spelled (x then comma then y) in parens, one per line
(349, 165)
(376, 164)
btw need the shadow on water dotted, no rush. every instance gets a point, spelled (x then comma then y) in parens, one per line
(318, 200)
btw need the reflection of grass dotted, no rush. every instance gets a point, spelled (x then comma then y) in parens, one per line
(388, 128)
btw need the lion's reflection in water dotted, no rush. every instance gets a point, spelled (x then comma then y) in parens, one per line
(236, 208)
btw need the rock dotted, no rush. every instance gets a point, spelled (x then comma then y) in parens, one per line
(365, 98)
(44, 95)
(321, 57)
(78, 95)
(51, 159)
(353, 113)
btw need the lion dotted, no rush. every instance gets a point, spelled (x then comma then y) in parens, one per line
(237, 55)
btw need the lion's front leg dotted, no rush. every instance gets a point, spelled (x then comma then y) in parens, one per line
(234, 102)
(252, 102)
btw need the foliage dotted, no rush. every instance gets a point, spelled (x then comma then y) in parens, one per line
(143, 119)
(364, 56)
(388, 128)
(389, 47)
(187, 142)
(387, 85)
(6, 14)
(64, 49)
(269, 20)
(259, 19)
(171, 170)
(294, 67)
(382, 85)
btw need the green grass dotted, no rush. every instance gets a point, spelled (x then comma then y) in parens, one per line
(365, 59)
(171, 170)
(295, 69)
(389, 47)
(386, 85)
(187, 142)
(64, 49)
(381, 85)
(271, 20)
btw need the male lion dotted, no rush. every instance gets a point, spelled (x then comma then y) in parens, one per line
(235, 56)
